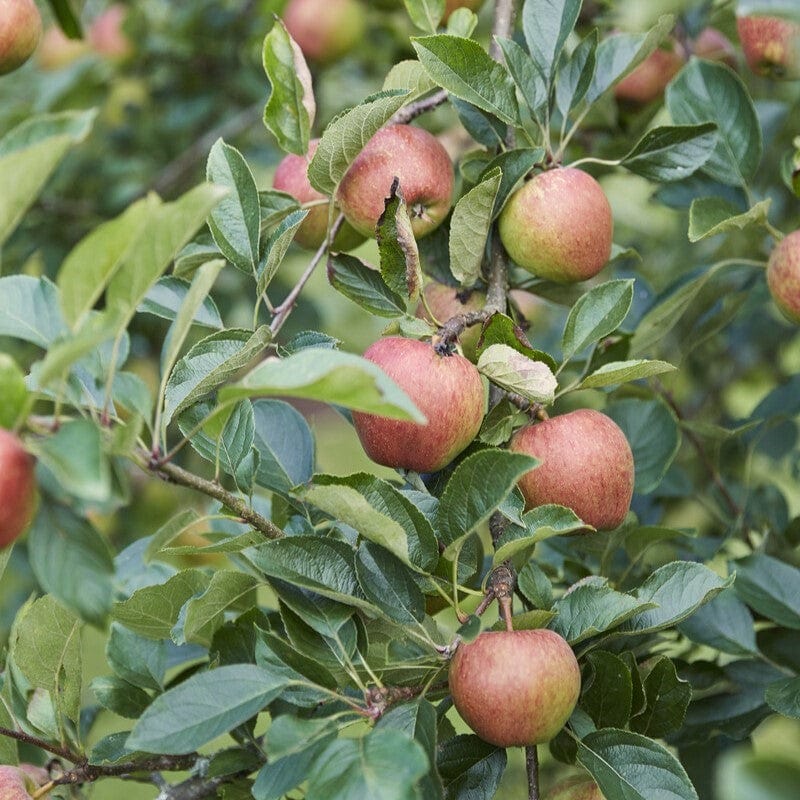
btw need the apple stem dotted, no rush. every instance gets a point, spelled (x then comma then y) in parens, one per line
(532, 769)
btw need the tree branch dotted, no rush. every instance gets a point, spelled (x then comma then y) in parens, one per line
(502, 27)
(532, 769)
(55, 749)
(415, 109)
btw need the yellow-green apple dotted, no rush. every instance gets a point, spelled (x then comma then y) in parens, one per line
(20, 31)
(14, 784)
(771, 46)
(421, 163)
(325, 29)
(558, 225)
(106, 34)
(17, 487)
(291, 177)
(448, 390)
(783, 276)
(714, 45)
(56, 50)
(648, 80)
(586, 465)
(515, 688)
(446, 302)
(577, 788)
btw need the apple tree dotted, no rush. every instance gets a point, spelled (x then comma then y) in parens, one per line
(400, 400)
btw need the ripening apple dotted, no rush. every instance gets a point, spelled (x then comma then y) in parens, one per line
(448, 390)
(714, 45)
(649, 79)
(421, 163)
(577, 788)
(771, 46)
(325, 29)
(56, 50)
(17, 487)
(558, 225)
(106, 34)
(448, 301)
(14, 784)
(20, 31)
(451, 5)
(783, 276)
(586, 465)
(515, 688)
(291, 177)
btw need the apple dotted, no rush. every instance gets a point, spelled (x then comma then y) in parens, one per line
(17, 487)
(20, 31)
(291, 177)
(56, 50)
(325, 29)
(106, 34)
(586, 465)
(421, 163)
(648, 80)
(446, 302)
(14, 785)
(515, 688)
(715, 46)
(576, 788)
(448, 390)
(771, 46)
(451, 5)
(783, 276)
(558, 225)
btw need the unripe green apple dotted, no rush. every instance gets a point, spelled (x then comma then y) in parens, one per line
(446, 302)
(448, 390)
(515, 688)
(291, 177)
(106, 34)
(558, 225)
(421, 163)
(648, 81)
(577, 788)
(771, 46)
(714, 45)
(20, 31)
(586, 465)
(325, 29)
(14, 785)
(17, 487)
(783, 276)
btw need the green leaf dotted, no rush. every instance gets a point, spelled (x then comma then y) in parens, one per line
(676, 590)
(203, 707)
(47, 650)
(535, 585)
(68, 21)
(470, 768)
(425, 14)
(363, 285)
(517, 373)
(667, 699)
(653, 434)
(139, 661)
(575, 76)
(709, 216)
(616, 372)
(288, 113)
(628, 765)
(30, 310)
(596, 314)
(275, 248)
(546, 25)
(235, 222)
(541, 523)
(501, 329)
(705, 91)
(672, 152)
(330, 376)
(526, 76)
(770, 587)
(358, 768)
(477, 486)
(13, 392)
(725, 624)
(409, 75)
(389, 584)
(275, 206)
(469, 227)
(465, 69)
(119, 696)
(346, 136)
(170, 294)
(607, 691)
(28, 156)
(210, 363)
(399, 256)
(784, 697)
(758, 777)
(514, 165)
(229, 591)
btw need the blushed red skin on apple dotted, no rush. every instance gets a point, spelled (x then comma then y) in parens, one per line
(451, 5)
(783, 276)
(648, 81)
(20, 31)
(559, 226)
(324, 29)
(447, 389)
(17, 487)
(291, 177)
(515, 688)
(446, 302)
(771, 46)
(13, 784)
(586, 465)
(106, 35)
(715, 46)
(577, 788)
(421, 163)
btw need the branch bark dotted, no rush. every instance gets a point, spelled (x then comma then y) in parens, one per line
(415, 109)
(532, 769)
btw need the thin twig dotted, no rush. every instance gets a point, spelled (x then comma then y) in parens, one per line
(532, 768)
(413, 110)
(55, 749)
(503, 25)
